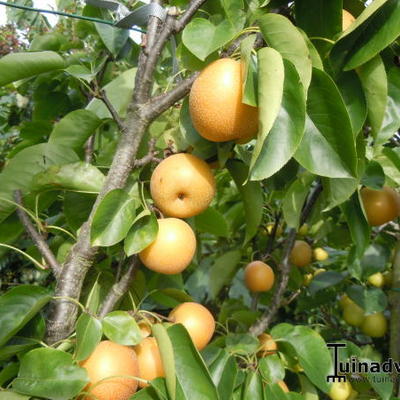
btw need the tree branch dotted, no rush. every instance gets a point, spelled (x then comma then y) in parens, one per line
(104, 98)
(36, 237)
(263, 323)
(150, 156)
(119, 288)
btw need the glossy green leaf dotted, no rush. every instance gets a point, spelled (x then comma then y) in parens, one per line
(50, 373)
(212, 221)
(9, 395)
(167, 358)
(328, 146)
(113, 38)
(325, 20)
(113, 218)
(374, 176)
(389, 159)
(253, 387)
(16, 66)
(77, 176)
(375, 259)
(273, 391)
(119, 91)
(120, 327)
(381, 31)
(353, 96)
(324, 280)
(88, 336)
(20, 170)
(357, 223)
(249, 71)
(191, 371)
(272, 368)
(241, 343)
(308, 389)
(18, 306)
(251, 194)
(295, 196)
(311, 350)
(371, 300)
(337, 191)
(17, 345)
(142, 233)
(170, 297)
(77, 207)
(316, 60)
(80, 72)
(374, 81)
(223, 372)
(75, 129)
(283, 36)
(8, 372)
(287, 131)
(48, 41)
(271, 77)
(391, 120)
(223, 270)
(202, 37)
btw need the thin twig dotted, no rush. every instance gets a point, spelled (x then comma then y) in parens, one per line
(119, 288)
(272, 237)
(89, 149)
(284, 267)
(104, 98)
(150, 156)
(37, 238)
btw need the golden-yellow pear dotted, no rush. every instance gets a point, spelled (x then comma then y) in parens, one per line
(197, 320)
(303, 231)
(258, 276)
(268, 345)
(340, 390)
(353, 314)
(377, 279)
(182, 185)
(172, 250)
(215, 103)
(320, 254)
(375, 325)
(107, 361)
(301, 254)
(380, 206)
(347, 19)
(149, 360)
(345, 300)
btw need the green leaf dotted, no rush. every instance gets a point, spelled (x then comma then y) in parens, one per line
(381, 31)
(113, 218)
(120, 327)
(374, 81)
(390, 162)
(295, 196)
(202, 37)
(77, 176)
(251, 194)
(223, 271)
(18, 306)
(253, 387)
(249, 71)
(50, 373)
(308, 389)
(191, 371)
(77, 207)
(16, 66)
(48, 41)
(170, 297)
(167, 358)
(270, 93)
(119, 91)
(324, 280)
(375, 259)
(311, 350)
(287, 131)
(391, 120)
(284, 37)
(358, 225)
(352, 93)
(272, 368)
(9, 395)
(88, 336)
(80, 72)
(371, 300)
(6, 374)
(20, 170)
(325, 20)
(113, 38)
(75, 129)
(223, 372)
(374, 176)
(212, 221)
(328, 147)
(17, 345)
(143, 232)
(337, 191)
(241, 343)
